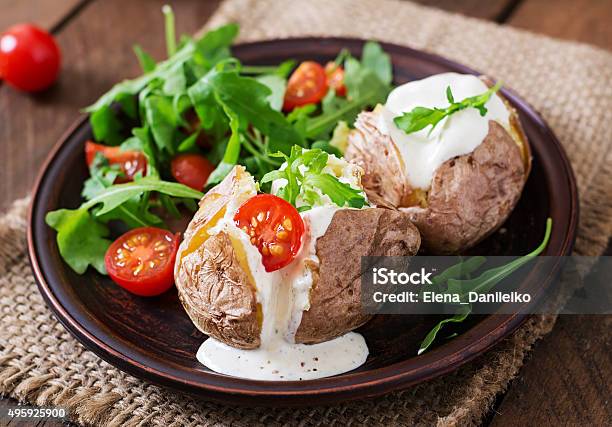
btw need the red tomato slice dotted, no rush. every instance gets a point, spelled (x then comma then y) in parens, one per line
(335, 78)
(307, 85)
(29, 58)
(275, 227)
(142, 260)
(192, 170)
(131, 162)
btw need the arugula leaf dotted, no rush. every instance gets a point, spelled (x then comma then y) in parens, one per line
(175, 83)
(147, 63)
(282, 70)
(142, 141)
(300, 116)
(118, 194)
(342, 194)
(232, 152)
(488, 279)
(304, 174)
(421, 117)
(202, 97)
(248, 98)
(374, 58)
(482, 284)
(463, 312)
(214, 46)
(277, 86)
(102, 175)
(162, 120)
(188, 145)
(106, 126)
(80, 239)
(134, 213)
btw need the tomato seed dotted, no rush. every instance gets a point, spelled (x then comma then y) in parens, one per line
(276, 250)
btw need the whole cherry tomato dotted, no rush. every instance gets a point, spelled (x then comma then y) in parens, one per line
(142, 260)
(29, 58)
(275, 228)
(192, 170)
(307, 85)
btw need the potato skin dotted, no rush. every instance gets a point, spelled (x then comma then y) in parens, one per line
(217, 295)
(335, 296)
(470, 195)
(212, 286)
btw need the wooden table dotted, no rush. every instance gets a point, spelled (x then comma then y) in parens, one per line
(572, 365)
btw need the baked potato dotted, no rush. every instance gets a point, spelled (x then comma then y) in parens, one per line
(469, 196)
(217, 287)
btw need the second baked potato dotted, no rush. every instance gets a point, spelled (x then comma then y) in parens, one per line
(469, 196)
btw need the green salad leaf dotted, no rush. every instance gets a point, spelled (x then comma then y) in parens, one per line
(118, 194)
(458, 281)
(374, 58)
(80, 239)
(306, 178)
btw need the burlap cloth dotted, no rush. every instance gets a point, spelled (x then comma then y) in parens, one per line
(567, 82)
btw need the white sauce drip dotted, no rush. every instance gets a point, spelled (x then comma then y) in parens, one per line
(454, 136)
(284, 295)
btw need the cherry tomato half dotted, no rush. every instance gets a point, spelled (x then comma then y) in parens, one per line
(29, 58)
(142, 260)
(307, 85)
(192, 170)
(131, 162)
(275, 227)
(335, 78)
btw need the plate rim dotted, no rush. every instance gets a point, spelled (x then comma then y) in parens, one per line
(355, 385)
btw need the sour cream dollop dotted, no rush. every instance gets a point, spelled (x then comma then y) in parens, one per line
(456, 135)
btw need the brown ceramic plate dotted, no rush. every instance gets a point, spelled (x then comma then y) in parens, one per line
(155, 340)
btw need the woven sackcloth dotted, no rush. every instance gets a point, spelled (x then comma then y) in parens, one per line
(568, 83)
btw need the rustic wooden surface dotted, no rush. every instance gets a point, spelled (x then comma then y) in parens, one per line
(567, 379)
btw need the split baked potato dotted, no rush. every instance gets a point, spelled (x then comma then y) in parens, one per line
(470, 196)
(217, 288)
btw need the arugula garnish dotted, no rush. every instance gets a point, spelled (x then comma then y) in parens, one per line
(307, 180)
(458, 281)
(420, 117)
